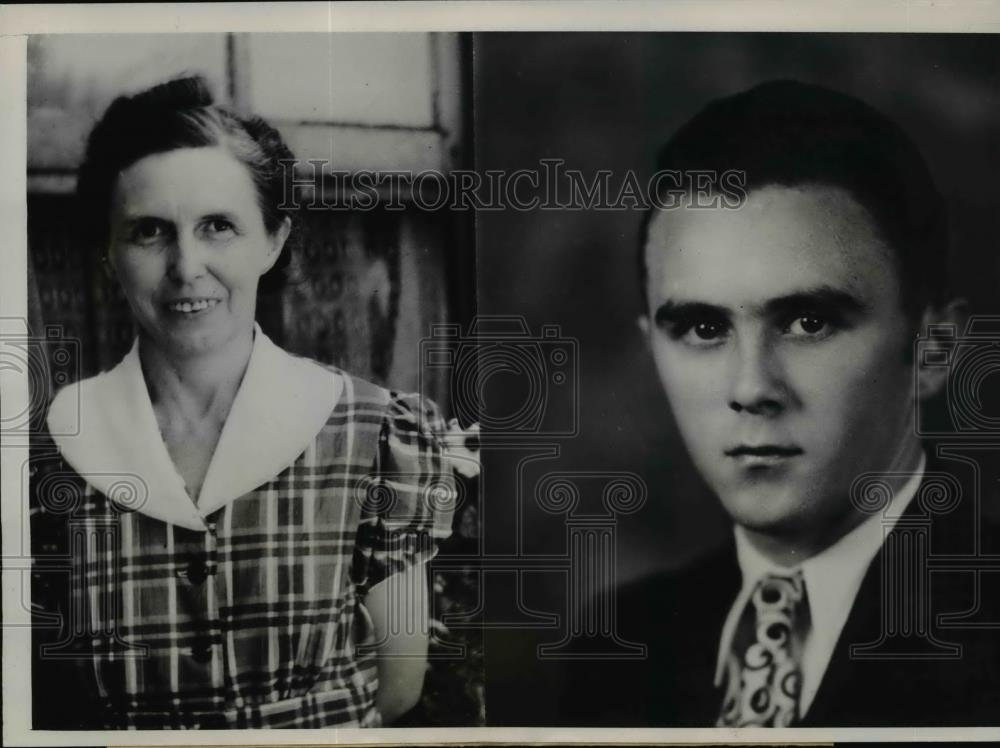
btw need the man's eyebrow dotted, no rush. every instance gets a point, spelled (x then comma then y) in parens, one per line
(672, 311)
(821, 298)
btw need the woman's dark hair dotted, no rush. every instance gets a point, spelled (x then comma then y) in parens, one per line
(181, 114)
(792, 134)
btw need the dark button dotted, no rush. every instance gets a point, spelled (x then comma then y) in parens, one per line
(197, 571)
(201, 650)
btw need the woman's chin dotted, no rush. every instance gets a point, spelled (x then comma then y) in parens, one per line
(187, 341)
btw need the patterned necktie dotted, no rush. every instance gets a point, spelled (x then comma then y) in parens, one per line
(763, 673)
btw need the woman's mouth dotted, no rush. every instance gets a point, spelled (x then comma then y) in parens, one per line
(190, 307)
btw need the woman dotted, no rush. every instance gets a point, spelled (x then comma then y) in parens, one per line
(254, 523)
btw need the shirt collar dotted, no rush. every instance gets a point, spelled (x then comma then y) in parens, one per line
(280, 406)
(832, 579)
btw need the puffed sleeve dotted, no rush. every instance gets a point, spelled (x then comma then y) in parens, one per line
(409, 505)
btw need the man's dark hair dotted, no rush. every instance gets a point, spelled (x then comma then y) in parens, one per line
(790, 134)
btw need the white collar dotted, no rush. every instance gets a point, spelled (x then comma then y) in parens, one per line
(282, 403)
(832, 580)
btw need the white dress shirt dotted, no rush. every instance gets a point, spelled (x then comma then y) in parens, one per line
(832, 580)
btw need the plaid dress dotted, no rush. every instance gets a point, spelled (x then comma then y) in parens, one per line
(257, 621)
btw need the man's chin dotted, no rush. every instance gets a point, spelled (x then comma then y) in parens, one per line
(771, 512)
(792, 519)
(779, 528)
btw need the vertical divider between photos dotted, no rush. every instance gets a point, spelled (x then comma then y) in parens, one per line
(456, 122)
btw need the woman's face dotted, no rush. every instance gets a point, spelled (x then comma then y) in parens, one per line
(188, 245)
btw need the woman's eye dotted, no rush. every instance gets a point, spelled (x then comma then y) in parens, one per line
(146, 232)
(808, 325)
(219, 227)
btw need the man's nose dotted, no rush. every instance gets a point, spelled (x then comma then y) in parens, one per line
(187, 258)
(757, 385)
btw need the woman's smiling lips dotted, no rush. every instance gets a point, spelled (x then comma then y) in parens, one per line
(189, 306)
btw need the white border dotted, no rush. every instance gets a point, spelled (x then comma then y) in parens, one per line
(623, 15)
(950, 16)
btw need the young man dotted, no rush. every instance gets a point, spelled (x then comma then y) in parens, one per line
(783, 332)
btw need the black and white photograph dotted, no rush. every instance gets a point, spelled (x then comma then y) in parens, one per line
(246, 482)
(379, 376)
(790, 352)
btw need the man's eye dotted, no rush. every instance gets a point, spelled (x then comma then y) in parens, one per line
(702, 334)
(708, 330)
(809, 325)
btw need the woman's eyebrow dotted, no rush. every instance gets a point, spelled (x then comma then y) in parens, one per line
(219, 214)
(128, 219)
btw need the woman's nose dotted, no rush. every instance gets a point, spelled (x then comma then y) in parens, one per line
(756, 384)
(187, 258)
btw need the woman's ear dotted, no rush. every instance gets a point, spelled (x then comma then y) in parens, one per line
(940, 328)
(107, 267)
(278, 239)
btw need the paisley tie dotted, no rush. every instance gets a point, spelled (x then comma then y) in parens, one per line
(763, 673)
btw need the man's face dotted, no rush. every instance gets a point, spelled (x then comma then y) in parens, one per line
(779, 336)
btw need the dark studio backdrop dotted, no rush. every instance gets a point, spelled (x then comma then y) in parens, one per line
(608, 101)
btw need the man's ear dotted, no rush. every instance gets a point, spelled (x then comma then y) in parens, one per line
(278, 239)
(935, 351)
(642, 322)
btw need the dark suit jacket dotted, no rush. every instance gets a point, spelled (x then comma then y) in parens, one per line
(679, 616)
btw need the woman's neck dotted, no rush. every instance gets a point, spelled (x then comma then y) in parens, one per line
(194, 389)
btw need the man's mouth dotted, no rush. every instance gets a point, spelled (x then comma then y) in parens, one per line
(762, 455)
(764, 450)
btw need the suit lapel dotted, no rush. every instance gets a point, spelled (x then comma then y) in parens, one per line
(855, 686)
(696, 604)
